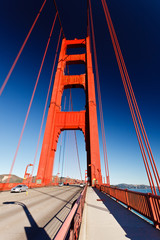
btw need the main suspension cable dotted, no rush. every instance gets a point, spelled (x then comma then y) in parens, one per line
(30, 104)
(21, 49)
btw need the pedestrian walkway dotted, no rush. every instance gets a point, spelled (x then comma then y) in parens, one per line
(104, 218)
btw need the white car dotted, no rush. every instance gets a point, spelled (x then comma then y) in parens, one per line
(81, 185)
(61, 184)
(19, 188)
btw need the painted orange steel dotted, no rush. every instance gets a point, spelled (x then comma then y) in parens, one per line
(58, 121)
(85, 176)
(71, 226)
(146, 204)
(8, 186)
(27, 176)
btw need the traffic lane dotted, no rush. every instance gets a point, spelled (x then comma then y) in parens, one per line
(41, 211)
(22, 196)
(58, 201)
(27, 214)
(55, 222)
(32, 197)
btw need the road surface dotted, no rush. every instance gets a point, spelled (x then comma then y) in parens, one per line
(37, 214)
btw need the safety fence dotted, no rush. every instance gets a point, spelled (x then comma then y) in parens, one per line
(71, 227)
(146, 204)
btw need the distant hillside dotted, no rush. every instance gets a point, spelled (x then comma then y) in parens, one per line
(13, 179)
(16, 179)
(132, 186)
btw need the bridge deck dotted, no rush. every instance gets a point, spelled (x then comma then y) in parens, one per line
(107, 219)
(36, 215)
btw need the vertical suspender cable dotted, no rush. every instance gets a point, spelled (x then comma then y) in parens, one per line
(63, 153)
(60, 154)
(131, 109)
(32, 98)
(114, 42)
(130, 94)
(146, 141)
(98, 86)
(75, 133)
(54, 1)
(99, 96)
(76, 140)
(64, 143)
(129, 101)
(61, 139)
(65, 135)
(51, 78)
(21, 49)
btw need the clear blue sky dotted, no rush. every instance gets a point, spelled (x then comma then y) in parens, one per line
(137, 25)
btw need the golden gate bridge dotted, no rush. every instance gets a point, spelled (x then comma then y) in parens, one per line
(85, 120)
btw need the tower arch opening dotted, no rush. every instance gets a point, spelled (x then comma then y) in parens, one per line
(68, 156)
(73, 99)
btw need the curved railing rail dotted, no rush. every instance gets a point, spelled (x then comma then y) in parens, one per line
(71, 227)
(145, 204)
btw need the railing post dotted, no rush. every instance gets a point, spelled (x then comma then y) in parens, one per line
(80, 210)
(115, 191)
(109, 191)
(152, 209)
(127, 199)
(71, 235)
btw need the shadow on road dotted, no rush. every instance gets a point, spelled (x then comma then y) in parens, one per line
(37, 233)
(33, 232)
(53, 195)
(135, 227)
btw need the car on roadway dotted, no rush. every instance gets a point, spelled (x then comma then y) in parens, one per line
(19, 188)
(61, 184)
(81, 185)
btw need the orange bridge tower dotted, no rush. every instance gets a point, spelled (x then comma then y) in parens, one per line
(58, 121)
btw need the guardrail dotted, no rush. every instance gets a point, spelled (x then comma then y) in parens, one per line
(71, 227)
(145, 204)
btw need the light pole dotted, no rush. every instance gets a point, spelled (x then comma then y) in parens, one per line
(56, 179)
(26, 174)
(94, 170)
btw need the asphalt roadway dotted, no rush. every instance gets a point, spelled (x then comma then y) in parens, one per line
(37, 214)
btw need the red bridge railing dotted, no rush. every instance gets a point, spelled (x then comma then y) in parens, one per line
(8, 186)
(71, 227)
(145, 204)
